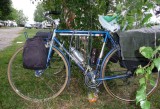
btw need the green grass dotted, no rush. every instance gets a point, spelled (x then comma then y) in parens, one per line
(74, 96)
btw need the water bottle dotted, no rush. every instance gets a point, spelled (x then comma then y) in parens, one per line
(77, 55)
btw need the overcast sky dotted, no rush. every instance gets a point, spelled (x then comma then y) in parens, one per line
(27, 7)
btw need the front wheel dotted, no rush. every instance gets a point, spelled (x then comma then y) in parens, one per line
(123, 88)
(46, 86)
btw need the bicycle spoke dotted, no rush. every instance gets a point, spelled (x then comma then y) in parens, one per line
(47, 86)
(123, 88)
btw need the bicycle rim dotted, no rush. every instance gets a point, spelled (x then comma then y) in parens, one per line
(125, 88)
(45, 87)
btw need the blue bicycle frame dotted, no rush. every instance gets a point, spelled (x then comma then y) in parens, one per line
(100, 62)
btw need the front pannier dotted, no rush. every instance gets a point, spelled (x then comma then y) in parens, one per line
(34, 54)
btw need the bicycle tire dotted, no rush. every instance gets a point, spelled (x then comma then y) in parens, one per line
(38, 89)
(123, 89)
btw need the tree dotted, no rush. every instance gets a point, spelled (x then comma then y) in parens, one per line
(7, 12)
(132, 12)
(5, 9)
(89, 9)
(78, 14)
(21, 19)
(38, 14)
(13, 15)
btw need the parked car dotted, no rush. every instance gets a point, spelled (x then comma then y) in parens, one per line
(14, 24)
(1, 24)
(27, 25)
(38, 25)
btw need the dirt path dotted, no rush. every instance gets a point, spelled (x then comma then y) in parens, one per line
(7, 35)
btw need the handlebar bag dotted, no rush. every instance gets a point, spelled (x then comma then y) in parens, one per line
(34, 54)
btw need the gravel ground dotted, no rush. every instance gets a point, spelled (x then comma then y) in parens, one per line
(7, 35)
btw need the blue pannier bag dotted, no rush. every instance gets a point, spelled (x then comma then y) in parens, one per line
(34, 54)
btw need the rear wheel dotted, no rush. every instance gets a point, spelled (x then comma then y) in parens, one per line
(33, 87)
(123, 88)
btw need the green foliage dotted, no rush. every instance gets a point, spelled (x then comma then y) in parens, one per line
(85, 11)
(13, 15)
(146, 71)
(147, 52)
(147, 17)
(157, 63)
(21, 19)
(131, 11)
(7, 12)
(38, 14)
(145, 104)
(5, 9)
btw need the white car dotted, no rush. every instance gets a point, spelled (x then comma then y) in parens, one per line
(27, 25)
(14, 24)
(1, 24)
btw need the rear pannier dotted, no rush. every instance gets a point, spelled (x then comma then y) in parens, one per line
(132, 40)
